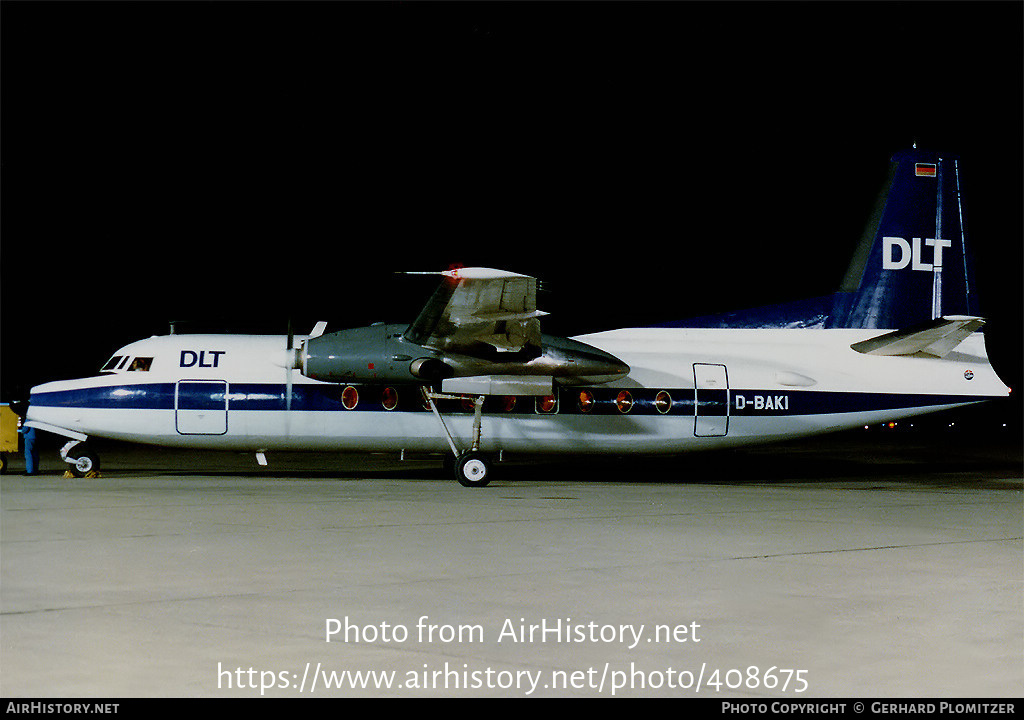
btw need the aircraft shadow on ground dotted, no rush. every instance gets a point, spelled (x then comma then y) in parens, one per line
(874, 457)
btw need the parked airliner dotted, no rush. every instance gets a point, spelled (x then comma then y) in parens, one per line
(473, 376)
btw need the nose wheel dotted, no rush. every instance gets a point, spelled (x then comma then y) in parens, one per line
(81, 459)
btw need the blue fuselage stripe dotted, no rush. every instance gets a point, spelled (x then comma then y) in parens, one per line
(271, 397)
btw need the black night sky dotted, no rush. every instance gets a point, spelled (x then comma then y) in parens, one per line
(236, 164)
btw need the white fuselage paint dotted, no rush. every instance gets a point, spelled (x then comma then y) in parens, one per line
(780, 384)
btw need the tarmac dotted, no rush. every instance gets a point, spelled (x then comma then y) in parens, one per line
(885, 566)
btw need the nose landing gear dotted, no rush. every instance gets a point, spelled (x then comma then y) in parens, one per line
(81, 459)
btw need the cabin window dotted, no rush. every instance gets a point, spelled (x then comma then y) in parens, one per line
(663, 402)
(389, 398)
(140, 364)
(624, 402)
(586, 401)
(349, 398)
(547, 404)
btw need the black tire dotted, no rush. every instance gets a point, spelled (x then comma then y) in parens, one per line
(84, 461)
(472, 470)
(3, 463)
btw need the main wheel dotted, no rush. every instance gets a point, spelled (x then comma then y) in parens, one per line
(472, 470)
(84, 461)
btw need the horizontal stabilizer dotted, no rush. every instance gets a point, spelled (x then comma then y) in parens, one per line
(498, 385)
(937, 339)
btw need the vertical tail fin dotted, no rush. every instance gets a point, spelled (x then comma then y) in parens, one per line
(913, 265)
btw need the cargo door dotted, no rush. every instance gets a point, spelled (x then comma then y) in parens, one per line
(711, 400)
(201, 407)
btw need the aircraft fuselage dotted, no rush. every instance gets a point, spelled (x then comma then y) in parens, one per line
(687, 389)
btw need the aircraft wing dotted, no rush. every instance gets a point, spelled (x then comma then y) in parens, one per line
(938, 339)
(480, 311)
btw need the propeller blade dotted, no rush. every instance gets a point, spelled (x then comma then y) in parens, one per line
(288, 368)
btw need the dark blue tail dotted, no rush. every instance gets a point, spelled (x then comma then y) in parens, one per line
(912, 265)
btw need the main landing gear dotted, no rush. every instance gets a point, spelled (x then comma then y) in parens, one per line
(471, 467)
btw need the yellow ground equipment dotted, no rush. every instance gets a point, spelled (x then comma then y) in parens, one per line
(8, 434)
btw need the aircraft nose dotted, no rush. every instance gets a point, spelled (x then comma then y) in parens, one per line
(42, 399)
(34, 408)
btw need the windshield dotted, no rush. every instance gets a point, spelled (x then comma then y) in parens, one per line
(114, 363)
(120, 363)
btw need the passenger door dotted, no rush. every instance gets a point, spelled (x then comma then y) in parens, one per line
(711, 400)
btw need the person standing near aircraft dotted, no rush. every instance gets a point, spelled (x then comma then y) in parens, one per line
(31, 453)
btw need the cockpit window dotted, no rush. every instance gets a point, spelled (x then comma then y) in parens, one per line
(141, 364)
(111, 364)
(121, 363)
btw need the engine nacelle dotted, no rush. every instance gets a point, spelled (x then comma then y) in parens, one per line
(364, 354)
(380, 353)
